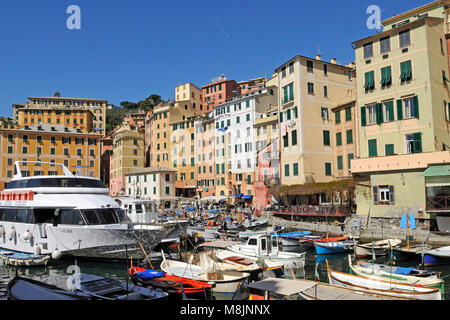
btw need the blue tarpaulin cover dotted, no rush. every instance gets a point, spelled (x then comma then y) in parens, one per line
(149, 274)
(295, 234)
(403, 271)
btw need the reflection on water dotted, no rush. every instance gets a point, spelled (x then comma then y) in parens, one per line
(58, 274)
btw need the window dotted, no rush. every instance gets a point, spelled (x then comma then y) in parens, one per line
(373, 152)
(286, 141)
(372, 119)
(413, 143)
(405, 38)
(405, 71)
(338, 139)
(386, 76)
(324, 112)
(349, 136)
(310, 66)
(326, 138)
(325, 70)
(294, 137)
(368, 50)
(350, 158)
(389, 149)
(310, 88)
(291, 67)
(340, 163)
(325, 91)
(338, 117)
(411, 108)
(328, 172)
(348, 114)
(286, 170)
(295, 169)
(369, 81)
(385, 45)
(389, 111)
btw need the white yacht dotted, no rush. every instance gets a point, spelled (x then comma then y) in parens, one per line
(68, 215)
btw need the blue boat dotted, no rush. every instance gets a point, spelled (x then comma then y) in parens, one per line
(293, 238)
(437, 256)
(333, 247)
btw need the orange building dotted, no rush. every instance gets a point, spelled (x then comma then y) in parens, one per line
(77, 150)
(218, 92)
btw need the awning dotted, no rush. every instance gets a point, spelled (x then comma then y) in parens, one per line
(437, 171)
(247, 197)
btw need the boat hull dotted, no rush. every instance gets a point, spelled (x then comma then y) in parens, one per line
(321, 250)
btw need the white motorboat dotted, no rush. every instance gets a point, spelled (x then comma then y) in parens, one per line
(67, 215)
(265, 247)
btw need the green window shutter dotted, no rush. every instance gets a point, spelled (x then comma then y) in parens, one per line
(348, 114)
(340, 163)
(350, 158)
(375, 195)
(338, 117)
(373, 148)
(366, 80)
(383, 77)
(286, 141)
(445, 111)
(399, 109)
(390, 111)
(389, 148)
(295, 169)
(328, 169)
(417, 142)
(386, 76)
(339, 139)
(295, 110)
(223, 167)
(286, 170)
(349, 136)
(363, 117)
(288, 115)
(416, 107)
(405, 71)
(326, 138)
(379, 110)
(217, 168)
(291, 92)
(281, 116)
(372, 80)
(285, 89)
(294, 137)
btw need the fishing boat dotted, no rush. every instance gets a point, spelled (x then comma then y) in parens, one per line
(176, 287)
(411, 253)
(334, 247)
(378, 248)
(398, 274)
(265, 247)
(309, 290)
(385, 287)
(67, 215)
(19, 259)
(256, 223)
(292, 239)
(90, 287)
(202, 234)
(309, 240)
(269, 230)
(225, 282)
(437, 256)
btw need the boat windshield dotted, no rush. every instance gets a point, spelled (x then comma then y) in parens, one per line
(55, 183)
(104, 216)
(139, 208)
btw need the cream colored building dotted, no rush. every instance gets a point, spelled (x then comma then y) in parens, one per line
(308, 90)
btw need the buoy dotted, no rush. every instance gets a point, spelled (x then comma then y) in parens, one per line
(37, 250)
(56, 255)
(2, 231)
(27, 236)
(12, 233)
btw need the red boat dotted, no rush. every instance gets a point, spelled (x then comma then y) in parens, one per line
(173, 285)
(324, 240)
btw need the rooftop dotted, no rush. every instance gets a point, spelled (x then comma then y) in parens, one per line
(150, 170)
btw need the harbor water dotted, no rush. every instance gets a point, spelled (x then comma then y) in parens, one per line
(59, 273)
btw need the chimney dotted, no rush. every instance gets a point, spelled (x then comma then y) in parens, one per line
(318, 57)
(333, 60)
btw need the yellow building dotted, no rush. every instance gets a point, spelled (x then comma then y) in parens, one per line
(96, 106)
(128, 156)
(74, 117)
(78, 151)
(160, 144)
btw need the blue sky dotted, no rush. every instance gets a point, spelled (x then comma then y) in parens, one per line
(127, 50)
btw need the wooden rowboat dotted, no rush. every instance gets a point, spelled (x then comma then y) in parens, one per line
(385, 287)
(401, 275)
(379, 248)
